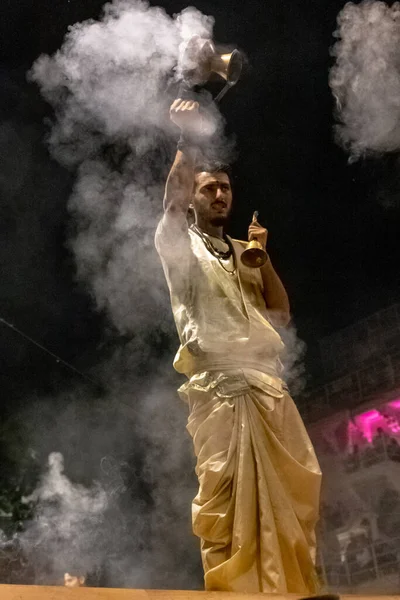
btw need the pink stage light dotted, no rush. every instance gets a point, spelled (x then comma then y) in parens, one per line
(365, 420)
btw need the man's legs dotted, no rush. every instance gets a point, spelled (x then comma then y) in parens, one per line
(258, 493)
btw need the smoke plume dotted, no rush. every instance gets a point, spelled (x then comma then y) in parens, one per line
(365, 79)
(294, 373)
(69, 522)
(116, 494)
(110, 85)
(113, 503)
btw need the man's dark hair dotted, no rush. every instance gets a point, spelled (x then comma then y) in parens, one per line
(213, 167)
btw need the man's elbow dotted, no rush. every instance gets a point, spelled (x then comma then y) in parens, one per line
(280, 318)
(175, 203)
(285, 319)
(280, 315)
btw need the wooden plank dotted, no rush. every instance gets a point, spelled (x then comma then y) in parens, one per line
(34, 592)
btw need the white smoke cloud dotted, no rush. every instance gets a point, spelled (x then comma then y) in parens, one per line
(365, 79)
(294, 373)
(68, 524)
(109, 85)
(113, 503)
(111, 76)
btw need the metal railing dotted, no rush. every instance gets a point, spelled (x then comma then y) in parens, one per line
(366, 565)
(388, 450)
(353, 389)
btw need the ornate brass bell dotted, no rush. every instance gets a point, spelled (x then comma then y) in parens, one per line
(254, 256)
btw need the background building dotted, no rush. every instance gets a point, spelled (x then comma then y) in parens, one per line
(354, 421)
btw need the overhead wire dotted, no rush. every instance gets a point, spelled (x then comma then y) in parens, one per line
(57, 358)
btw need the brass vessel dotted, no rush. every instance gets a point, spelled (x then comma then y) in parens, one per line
(200, 59)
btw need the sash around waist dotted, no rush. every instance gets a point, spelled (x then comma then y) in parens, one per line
(232, 382)
(221, 362)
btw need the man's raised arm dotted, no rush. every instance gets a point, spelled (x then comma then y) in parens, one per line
(179, 186)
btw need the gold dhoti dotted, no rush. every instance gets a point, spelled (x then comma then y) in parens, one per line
(259, 483)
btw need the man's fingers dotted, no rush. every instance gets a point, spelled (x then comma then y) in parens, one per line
(186, 115)
(184, 105)
(190, 105)
(255, 227)
(178, 105)
(175, 104)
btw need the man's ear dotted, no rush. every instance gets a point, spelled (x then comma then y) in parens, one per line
(191, 216)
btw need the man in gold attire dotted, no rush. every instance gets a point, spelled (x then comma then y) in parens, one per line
(259, 479)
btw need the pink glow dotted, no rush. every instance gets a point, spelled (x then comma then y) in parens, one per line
(367, 423)
(394, 424)
(366, 419)
(353, 432)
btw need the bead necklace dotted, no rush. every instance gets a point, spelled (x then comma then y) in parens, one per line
(219, 254)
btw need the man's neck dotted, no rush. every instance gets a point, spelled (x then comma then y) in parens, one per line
(214, 230)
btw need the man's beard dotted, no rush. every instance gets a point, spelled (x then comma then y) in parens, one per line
(218, 221)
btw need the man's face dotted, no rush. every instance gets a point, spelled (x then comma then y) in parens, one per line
(212, 198)
(73, 581)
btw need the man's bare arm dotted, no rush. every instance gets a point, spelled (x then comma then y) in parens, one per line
(275, 296)
(179, 186)
(180, 180)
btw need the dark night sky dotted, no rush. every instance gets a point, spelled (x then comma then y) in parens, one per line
(333, 238)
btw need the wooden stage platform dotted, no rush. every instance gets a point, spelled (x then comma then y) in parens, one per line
(33, 592)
